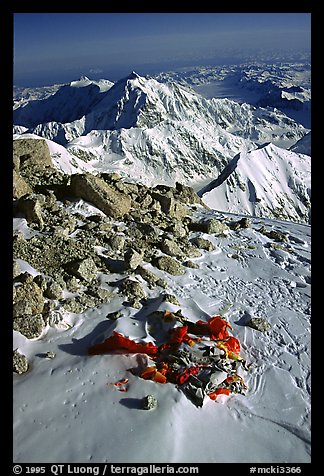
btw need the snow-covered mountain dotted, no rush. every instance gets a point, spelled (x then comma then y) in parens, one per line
(268, 181)
(282, 85)
(304, 145)
(68, 103)
(165, 133)
(83, 275)
(124, 257)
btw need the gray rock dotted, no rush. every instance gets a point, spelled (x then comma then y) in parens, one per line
(133, 290)
(20, 363)
(133, 259)
(204, 244)
(117, 242)
(215, 227)
(41, 281)
(29, 326)
(80, 303)
(191, 251)
(146, 201)
(104, 196)
(243, 223)
(126, 187)
(84, 269)
(186, 194)
(178, 229)
(259, 323)
(20, 186)
(103, 295)
(28, 300)
(171, 207)
(148, 275)
(149, 402)
(53, 291)
(73, 284)
(191, 264)
(31, 206)
(16, 270)
(278, 236)
(170, 265)
(170, 298)
(105, 227)
(171, 248)
(32, 154)
(114, 315)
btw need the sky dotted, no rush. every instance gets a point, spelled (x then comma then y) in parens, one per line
(51, 47)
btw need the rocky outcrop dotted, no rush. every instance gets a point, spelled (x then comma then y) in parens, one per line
(144, 235)
(28, 299)
(31, 206)
(213, 227)
(20, 363)
(32, 154)
(84, 269)
(29, 326)
(20, 186)
(170, 265)
(95, 190)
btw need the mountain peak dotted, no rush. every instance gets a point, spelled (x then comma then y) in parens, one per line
(132, 75)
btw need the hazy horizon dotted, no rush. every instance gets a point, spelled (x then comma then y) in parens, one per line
(59, 47)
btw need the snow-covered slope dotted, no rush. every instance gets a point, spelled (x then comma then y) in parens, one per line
(166, 133)
(304, 145)
(268, 181)
(68, 103)
(283, 85)
(74, 397)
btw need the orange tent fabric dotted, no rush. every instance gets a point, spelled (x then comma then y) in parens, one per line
(119, 342)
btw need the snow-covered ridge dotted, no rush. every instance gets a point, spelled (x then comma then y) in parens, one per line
(166, 133)
(268, 181)
(286, 86)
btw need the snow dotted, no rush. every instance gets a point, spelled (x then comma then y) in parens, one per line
(77, 414)
(268, 179)
(67, 409)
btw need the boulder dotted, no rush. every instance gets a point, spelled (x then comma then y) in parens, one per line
(170, 247)
(204, 244)
(31, 154)
(84, 269)
(20, 186)
(101, 194)
(187, 194)
(16, 270)
(134, 292)
(149, 402)
(170, 265)
(53, 291)
(171, 207)
(191, 264)
(150, 277)
(28, 300)
(20, 363)
(243, 223)
(133, 289)
(117, 242)
(29, 326)
(259, 324)
(133, 259)
(31, 206)
(215, 227)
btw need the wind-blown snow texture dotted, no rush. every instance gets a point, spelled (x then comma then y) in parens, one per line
(244, 277)
(243, 159)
